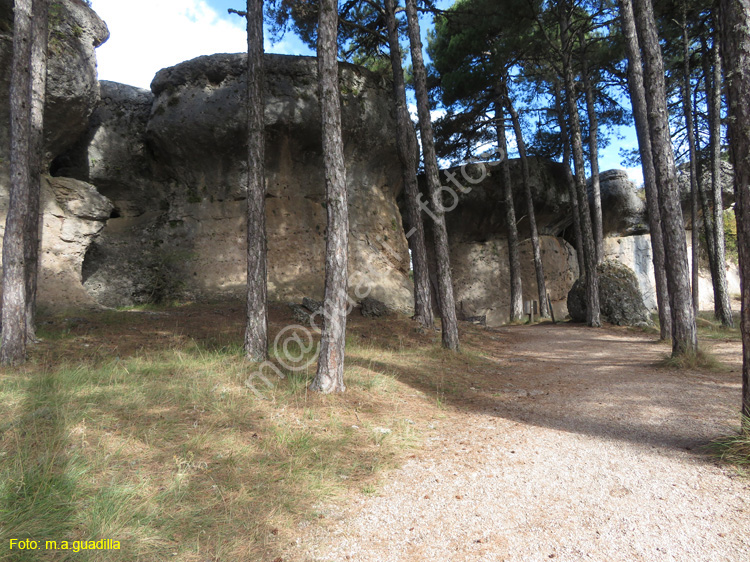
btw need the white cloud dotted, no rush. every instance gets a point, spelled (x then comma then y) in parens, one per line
(635, 175)
(148, 35)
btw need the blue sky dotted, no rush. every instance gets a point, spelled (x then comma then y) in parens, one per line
(148, 35)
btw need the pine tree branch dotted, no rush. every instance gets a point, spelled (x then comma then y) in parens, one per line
(238, 12)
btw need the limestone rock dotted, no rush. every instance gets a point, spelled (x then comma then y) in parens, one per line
(619, 297)
(72, 86)
(481, 281)
(623, 211)
(173, 162)
(73, 215)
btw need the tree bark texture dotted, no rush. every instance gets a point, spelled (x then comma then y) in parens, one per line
(722, 303)
(526, 179)
(565, 137)
(408, 154)
(735, 44)
(13, 346)
(640, 115)
(256, 330)
(589, 252)
(514, 260)
(704, 187)
(37, 158)
(440, 234)
(684, 336)
(330, 374)
(687, 111)
(596, 207)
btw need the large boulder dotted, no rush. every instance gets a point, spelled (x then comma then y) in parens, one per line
(173, 161)
(73, 214)
(620, 298)
(623, 211)
(481, 280)
(72, 85)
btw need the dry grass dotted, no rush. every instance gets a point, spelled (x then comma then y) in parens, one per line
(139, 427)
(693, 360)
(735, 449)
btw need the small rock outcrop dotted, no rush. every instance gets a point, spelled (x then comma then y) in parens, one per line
(623, 211)
(74, 213)
(620, 297)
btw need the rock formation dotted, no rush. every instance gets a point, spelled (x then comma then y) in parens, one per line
(619, 296)
(74, 212)
(623, 211)
(172, 160)
(477, 232)
(147, 202)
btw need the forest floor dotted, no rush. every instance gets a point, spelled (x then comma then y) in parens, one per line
(576, 446)
(536, 442)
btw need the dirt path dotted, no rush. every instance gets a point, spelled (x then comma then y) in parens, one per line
(576, 449)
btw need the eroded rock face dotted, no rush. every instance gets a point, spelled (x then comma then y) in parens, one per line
(74, 213)
(72, 86)
(173, 162)
(623, 211)
(481, 279)
(619, 296)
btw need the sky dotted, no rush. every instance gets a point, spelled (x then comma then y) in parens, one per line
(148, 35)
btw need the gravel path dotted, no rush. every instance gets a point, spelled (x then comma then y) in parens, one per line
(582, 450)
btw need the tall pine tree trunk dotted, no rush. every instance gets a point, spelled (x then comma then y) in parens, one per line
(684, 336)
(13, 347)
(442, 256)
(596, 207)
(735, 43)
(589, 251)
(565, 137)
(722, 303)
(704, 187)
(514, 260)
(408, 154)
(37, 159)
(526, 179)
(330, 373)
(687, 111)
(256, 331)
(638, 101)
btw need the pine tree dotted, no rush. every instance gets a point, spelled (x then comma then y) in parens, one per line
(735, 44)
(330, 373)
(638, 102)
(684, 335)
(256, 330)
(440, 234)
(13, 348)
(407, 153)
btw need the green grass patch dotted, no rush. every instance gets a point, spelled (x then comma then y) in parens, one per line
(734, 449)
(693, 360)
(170, 453)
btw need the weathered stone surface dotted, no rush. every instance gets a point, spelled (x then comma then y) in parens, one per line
(623, 211)
(72, 86)
(173, 162)
(635, 253)
(74, 214)
(474, 206)
(481, 280)
(619, 296)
